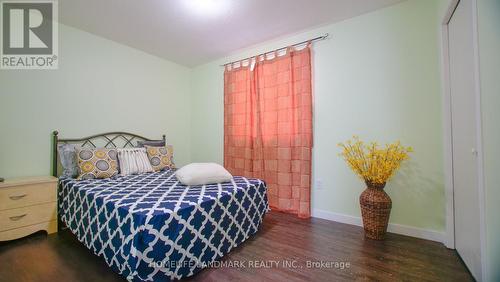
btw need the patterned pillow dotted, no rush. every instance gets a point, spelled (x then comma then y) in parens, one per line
(133, 161)
(154, 143)
(67, 156)
(161, 157)
(97, 163)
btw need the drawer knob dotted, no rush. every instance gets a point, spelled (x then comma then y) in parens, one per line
(17, 217)
(17, 197)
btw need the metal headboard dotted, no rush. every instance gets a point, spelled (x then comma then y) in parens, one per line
(107, 140)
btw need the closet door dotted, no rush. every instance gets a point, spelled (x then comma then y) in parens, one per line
(464, 134)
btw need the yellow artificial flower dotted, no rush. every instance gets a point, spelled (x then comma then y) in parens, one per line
(372, 163)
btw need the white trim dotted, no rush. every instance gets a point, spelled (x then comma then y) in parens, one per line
(479, 141)
(338, 217)
(449, 240)
(448, 159)
(393, 227)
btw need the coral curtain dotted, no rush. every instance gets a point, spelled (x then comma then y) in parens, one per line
(268, 127)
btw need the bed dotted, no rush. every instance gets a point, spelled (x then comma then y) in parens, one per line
(149, 227)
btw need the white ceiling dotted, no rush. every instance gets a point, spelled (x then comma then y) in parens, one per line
(177, 31)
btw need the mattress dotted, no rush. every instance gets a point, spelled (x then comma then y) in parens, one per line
(150, 227)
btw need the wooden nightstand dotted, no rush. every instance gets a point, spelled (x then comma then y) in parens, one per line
(27, 205)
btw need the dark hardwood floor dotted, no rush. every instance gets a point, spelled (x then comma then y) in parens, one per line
(283, 239)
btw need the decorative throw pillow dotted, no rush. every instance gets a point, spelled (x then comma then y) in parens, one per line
(133, 161)
(154, 143)
(97, 163)
(160, 157)
(67, 155)
(203, 173)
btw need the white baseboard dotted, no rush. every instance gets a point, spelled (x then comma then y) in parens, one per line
(393, 228)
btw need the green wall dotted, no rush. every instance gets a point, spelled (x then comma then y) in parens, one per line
(100, 86)
(489, 60)
(378, 77)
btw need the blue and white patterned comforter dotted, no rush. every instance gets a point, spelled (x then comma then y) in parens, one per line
(151, 227)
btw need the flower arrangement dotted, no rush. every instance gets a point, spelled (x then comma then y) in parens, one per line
(374, 164)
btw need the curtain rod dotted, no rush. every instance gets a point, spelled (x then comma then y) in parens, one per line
(322, 37)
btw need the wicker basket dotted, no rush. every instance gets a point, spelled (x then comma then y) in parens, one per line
(375, 209)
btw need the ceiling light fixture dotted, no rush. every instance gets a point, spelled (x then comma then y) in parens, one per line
(207, 7)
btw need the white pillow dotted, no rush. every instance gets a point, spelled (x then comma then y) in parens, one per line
(133, 161)
(203, 173)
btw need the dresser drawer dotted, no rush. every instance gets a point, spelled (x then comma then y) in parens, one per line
(19, 217)
(49, 226)
(25, 195)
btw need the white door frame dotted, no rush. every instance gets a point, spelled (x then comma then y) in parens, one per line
(447, 135)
